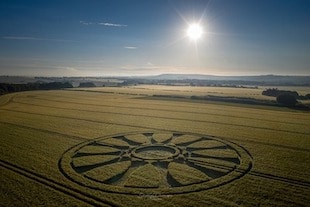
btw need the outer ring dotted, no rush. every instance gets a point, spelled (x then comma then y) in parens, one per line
(65, 166)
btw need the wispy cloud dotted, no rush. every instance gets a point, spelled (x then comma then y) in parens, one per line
(35, 39)
(107, 24)
(130, 47)
(112, 25)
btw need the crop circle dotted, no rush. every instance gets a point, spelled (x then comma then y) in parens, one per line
(158, 163)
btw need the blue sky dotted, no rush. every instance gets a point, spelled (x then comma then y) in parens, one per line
(148, 37)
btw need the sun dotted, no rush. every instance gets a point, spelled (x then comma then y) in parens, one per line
(194, 31)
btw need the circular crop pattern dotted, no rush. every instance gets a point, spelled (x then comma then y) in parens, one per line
(155, 163)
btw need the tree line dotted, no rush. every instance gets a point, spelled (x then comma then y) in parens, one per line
(10, 87)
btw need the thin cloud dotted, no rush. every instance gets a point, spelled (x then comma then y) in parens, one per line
(112, 25)
(19, 38)
(34, 39)
(130, 48)
(107, 24)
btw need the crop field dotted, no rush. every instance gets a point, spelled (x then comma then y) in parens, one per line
(124, 147)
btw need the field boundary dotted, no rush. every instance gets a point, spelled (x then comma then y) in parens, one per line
(302, 183)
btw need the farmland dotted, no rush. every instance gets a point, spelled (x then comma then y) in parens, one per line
(121, 146)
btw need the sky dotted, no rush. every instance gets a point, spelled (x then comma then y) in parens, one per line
(149, 37)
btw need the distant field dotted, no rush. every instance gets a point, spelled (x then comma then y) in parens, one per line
(114, 147)
(181, 90)
(198, 91)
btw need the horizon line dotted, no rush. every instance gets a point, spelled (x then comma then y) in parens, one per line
(154, 75)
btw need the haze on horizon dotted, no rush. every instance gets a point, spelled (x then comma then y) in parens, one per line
(148, 37)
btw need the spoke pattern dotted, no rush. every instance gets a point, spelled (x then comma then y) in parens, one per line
(161, 161)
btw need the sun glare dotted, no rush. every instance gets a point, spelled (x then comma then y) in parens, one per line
(194, 31)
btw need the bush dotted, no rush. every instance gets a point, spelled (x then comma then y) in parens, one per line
(286, 99)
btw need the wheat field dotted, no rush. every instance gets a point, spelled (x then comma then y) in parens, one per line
(122, 147)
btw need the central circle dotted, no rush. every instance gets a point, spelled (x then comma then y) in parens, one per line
(155, 152)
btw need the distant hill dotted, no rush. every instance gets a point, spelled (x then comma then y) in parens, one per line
(262, 79)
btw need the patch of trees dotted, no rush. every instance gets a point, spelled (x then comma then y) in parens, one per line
(87, 84)
(288, 98)
(10, 88)
(276, 92)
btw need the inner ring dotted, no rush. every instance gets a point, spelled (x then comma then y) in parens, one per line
(155, 152)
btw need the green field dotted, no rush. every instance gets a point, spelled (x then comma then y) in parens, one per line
(123, 147)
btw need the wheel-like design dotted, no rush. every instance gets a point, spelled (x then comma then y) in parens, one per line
(155, 162)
